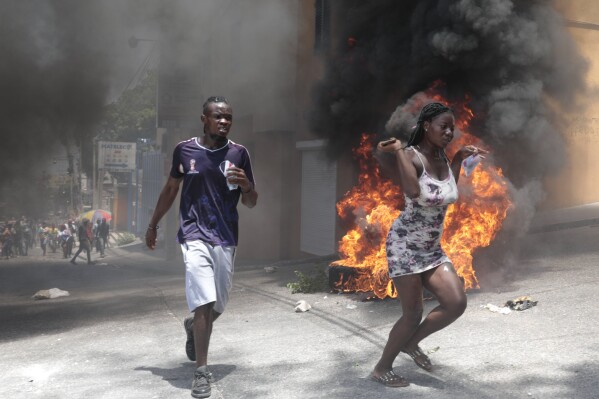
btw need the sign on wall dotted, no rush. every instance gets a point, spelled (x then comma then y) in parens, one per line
(116, 156)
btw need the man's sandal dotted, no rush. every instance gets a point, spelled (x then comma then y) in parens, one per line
(419, 358)
(390, 379)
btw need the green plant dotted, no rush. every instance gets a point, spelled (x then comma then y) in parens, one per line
(124, 238)
(315, 281)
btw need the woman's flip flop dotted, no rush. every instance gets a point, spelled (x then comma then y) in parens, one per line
(390, 379)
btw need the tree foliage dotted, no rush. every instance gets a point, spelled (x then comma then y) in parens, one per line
(133, 115)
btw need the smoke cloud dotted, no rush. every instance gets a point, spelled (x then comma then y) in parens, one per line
(510, 58)
(64, 60)
(54, 81)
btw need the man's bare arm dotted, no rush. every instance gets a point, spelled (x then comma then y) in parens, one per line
(249, 198)
(165, 201)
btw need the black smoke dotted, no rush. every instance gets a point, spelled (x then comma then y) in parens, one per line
(514, 60)
(53, 84)
(61, 63)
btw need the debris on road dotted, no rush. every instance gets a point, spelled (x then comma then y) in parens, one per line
(521, 303)
(270, 269)
(50, 294)
(302, 306)
(351, 306)
(497, 309)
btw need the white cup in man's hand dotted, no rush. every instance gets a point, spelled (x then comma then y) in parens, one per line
(225, 169)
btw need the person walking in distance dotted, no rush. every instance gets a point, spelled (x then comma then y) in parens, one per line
(64, 235)
(415, 258)
(85, 238)
(7, 240)
(73, 230)
(26, 238)
(216, 173)
(42, 233)
(104, 233)
(97, 231)
(96, 234)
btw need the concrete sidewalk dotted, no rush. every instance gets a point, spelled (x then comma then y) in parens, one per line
(120, 334)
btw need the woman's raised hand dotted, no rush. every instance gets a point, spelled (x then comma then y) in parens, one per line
(468, 150)
(392, 145)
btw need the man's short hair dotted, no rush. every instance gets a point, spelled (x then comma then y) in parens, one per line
(212, 100)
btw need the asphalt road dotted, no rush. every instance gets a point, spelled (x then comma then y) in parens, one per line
(119, 334)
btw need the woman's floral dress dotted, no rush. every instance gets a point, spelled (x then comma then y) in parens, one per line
(414, 240)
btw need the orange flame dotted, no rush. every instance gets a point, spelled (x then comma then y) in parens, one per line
(375, 203)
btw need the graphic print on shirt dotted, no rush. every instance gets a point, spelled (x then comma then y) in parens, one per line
(192, 166)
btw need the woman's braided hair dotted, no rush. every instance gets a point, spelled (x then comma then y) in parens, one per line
(428, 112)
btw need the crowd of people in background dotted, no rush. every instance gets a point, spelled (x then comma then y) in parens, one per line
(17, 237)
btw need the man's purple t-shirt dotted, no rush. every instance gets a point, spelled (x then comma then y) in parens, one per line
(208, 209)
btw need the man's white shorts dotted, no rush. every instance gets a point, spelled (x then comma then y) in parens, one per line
(208, 274)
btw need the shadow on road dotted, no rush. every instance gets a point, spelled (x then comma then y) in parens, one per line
(180, 377)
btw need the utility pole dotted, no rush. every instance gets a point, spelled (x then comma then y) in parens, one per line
(94, 175)
(71, 174)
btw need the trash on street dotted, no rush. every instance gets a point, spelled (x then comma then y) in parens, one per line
(50, 294)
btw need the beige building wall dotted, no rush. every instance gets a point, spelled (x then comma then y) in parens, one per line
(577, 184)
